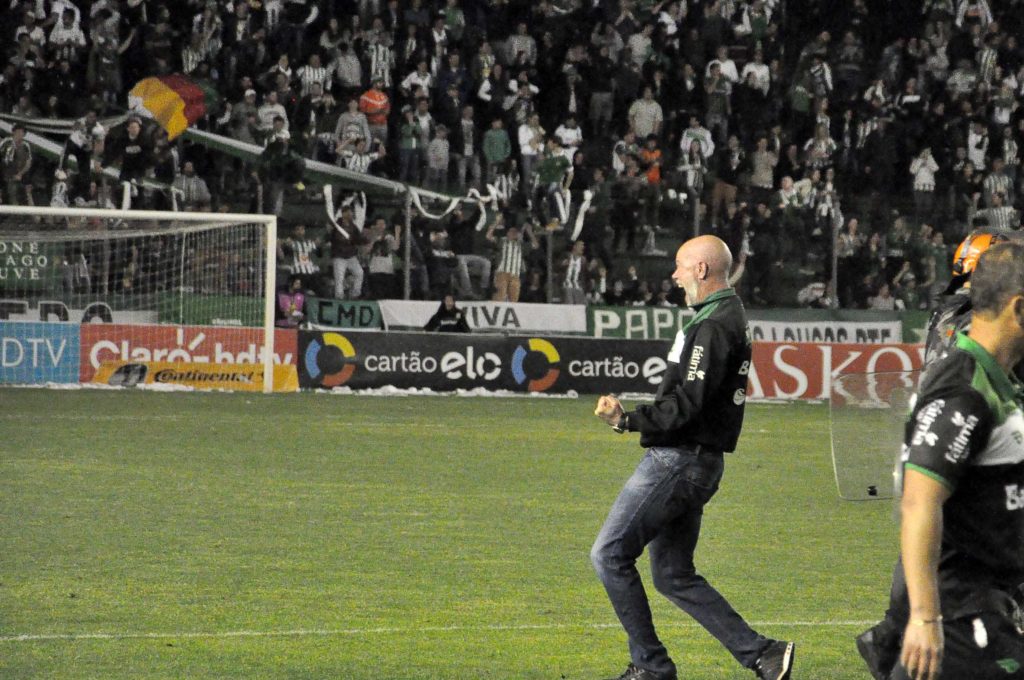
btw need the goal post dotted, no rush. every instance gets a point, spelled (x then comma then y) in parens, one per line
(148, 287)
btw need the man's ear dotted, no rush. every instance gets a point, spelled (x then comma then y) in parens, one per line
(1018, 309)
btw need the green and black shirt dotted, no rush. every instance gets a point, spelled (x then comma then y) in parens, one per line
(701, 397)
(967, 432)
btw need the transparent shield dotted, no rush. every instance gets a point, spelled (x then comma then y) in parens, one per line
(867, 412)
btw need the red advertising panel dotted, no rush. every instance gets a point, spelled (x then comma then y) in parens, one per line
(197, 344)
(806, 370)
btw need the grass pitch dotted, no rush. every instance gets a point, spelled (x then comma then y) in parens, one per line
(148, 535)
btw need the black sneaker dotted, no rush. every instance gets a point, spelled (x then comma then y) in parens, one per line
(776, 661)
(635, 673)
(879, 651)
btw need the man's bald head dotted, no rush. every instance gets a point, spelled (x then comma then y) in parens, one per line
(702, 267)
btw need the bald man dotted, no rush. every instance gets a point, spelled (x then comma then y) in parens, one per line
(695, 418)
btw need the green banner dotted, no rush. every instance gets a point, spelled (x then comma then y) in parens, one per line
(343, 314)
(915, 326)
(193, 309)
(30, 265)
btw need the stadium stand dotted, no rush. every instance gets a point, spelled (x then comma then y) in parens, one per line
(838, 148)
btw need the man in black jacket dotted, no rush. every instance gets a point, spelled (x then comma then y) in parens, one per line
(696, 417)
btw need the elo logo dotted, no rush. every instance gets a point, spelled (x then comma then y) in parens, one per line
(319, 361)
(551, 357)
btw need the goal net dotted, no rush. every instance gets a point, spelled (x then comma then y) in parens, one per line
(867, 416)
(128, 297)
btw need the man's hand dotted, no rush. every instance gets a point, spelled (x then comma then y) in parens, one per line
(922, 650)
(609, 409)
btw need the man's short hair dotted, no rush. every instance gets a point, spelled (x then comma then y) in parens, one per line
(998, 277)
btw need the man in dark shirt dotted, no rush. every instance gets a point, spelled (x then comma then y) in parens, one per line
(695, 418)
(962, 511)
(879, 645)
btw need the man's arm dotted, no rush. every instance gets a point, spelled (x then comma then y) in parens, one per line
(920, 538)
(946, 434)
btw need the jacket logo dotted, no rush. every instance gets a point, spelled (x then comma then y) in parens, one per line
(695, 356)
(925, 418)
(958, 450)
(1014, 497)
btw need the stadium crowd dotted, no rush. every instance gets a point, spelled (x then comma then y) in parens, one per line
(772, 124)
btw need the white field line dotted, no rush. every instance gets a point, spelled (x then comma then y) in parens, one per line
(355, 632)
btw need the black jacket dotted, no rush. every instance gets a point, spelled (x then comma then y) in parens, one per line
(701, 398)
(448, 321)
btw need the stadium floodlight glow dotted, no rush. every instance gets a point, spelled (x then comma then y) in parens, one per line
(144, 285)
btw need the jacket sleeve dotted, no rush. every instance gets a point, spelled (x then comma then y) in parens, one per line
(701, 371)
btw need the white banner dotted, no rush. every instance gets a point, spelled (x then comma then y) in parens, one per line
(869, 332)
(491, 316)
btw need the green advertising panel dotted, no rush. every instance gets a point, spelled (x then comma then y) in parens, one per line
(343, 314)
(30, 265)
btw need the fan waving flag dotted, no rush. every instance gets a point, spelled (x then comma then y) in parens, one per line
(174, 101)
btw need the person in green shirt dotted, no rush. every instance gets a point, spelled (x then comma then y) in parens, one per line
(497, 149)
(408, 147)
(554, 172)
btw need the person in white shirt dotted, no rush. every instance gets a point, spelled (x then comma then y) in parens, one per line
(762, 74)
(697, 133)
(923, 168)
(66, 38)
(728, 65)
(531, 145)
(421, 77)
(270, 110)
(977, 144)
(570, 135)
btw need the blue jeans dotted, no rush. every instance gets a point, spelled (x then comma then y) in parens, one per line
(661, 506)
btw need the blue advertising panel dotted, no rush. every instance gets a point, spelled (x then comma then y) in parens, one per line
(34, 353)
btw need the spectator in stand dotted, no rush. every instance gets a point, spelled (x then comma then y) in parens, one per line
(650, 158)
(353, 124)
(296, 255)
(699, 134)
(346, 239)
(384, 245)
(15, 164)
(408, 147)
(730, 163)
(497, 148)
(194, 195)
(531, 148)
(574, 282)
(645, 115)
(438, 159)
(1001, 216)
(376, 106)
(466, 150)
(511, 260)
(462, 234)
(270, 111)
(998, 182)
(554, 173)
(570, 136)
(923, 169)
(355, 155)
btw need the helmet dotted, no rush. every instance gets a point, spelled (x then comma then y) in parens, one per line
(970, 249)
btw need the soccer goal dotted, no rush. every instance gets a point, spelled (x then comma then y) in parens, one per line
(867, 414)
(128, 297)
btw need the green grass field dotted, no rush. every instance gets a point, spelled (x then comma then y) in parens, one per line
(149, 535)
